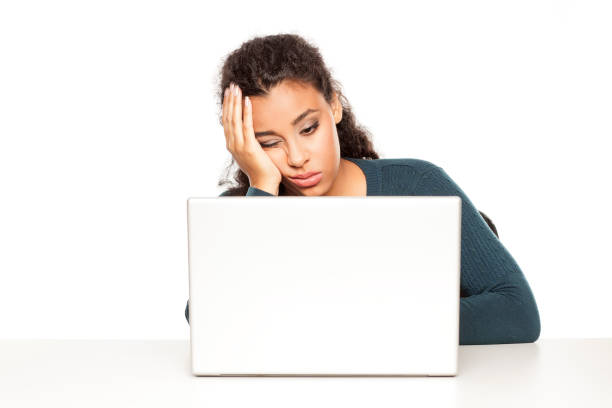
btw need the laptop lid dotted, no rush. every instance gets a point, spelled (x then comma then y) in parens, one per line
(341, 285)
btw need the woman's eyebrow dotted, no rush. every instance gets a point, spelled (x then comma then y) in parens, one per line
(295, 121)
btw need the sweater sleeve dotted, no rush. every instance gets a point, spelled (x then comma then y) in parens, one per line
(497, 305)
(252, 191)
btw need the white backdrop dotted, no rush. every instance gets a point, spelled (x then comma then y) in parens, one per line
(108, 123)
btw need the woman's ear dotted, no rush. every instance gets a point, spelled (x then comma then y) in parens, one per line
(336, 108)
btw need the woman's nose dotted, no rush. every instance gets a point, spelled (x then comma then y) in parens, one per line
(296, 154)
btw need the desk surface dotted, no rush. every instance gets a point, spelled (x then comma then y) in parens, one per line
(103, 373)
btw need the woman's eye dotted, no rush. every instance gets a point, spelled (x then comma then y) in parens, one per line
(312, 128)
(307, 131)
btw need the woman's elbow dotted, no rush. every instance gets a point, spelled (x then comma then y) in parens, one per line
(532, 331)
(529, 324)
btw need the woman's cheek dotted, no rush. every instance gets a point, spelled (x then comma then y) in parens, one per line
(277, 157)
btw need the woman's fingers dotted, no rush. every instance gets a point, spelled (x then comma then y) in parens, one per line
(230, 117)
(224, 112)
(247, 123)
(224, 116)
(237, 120)
(237, 117)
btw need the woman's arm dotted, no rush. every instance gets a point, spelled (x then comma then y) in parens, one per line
(498, 306)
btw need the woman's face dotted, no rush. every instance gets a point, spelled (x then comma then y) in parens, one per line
(298, 143)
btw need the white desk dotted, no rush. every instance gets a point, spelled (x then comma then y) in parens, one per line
(115, 373)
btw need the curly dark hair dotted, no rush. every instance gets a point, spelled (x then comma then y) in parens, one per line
(261, 63)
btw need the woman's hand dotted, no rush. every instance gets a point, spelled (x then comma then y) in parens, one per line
(242, 144)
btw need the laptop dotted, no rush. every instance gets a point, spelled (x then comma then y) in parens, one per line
(324, 286)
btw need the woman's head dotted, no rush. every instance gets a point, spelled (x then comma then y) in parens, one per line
(284, 76)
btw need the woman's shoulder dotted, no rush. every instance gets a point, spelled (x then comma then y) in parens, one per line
(421, 165)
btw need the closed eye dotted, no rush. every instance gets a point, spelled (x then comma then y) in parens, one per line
(312, 128)
(307, 131)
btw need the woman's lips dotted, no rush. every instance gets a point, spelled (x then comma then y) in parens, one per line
(307, 182)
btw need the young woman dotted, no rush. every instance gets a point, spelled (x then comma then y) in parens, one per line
(291, 132)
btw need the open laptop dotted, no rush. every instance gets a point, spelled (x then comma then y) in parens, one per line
(324, 286)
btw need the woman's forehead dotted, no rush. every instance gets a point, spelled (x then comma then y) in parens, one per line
(283, 103)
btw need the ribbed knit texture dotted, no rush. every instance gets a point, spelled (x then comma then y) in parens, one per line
(497, 305)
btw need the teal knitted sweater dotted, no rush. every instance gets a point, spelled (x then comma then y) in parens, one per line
(496, 302)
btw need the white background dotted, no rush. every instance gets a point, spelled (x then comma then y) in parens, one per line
(108, 123)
